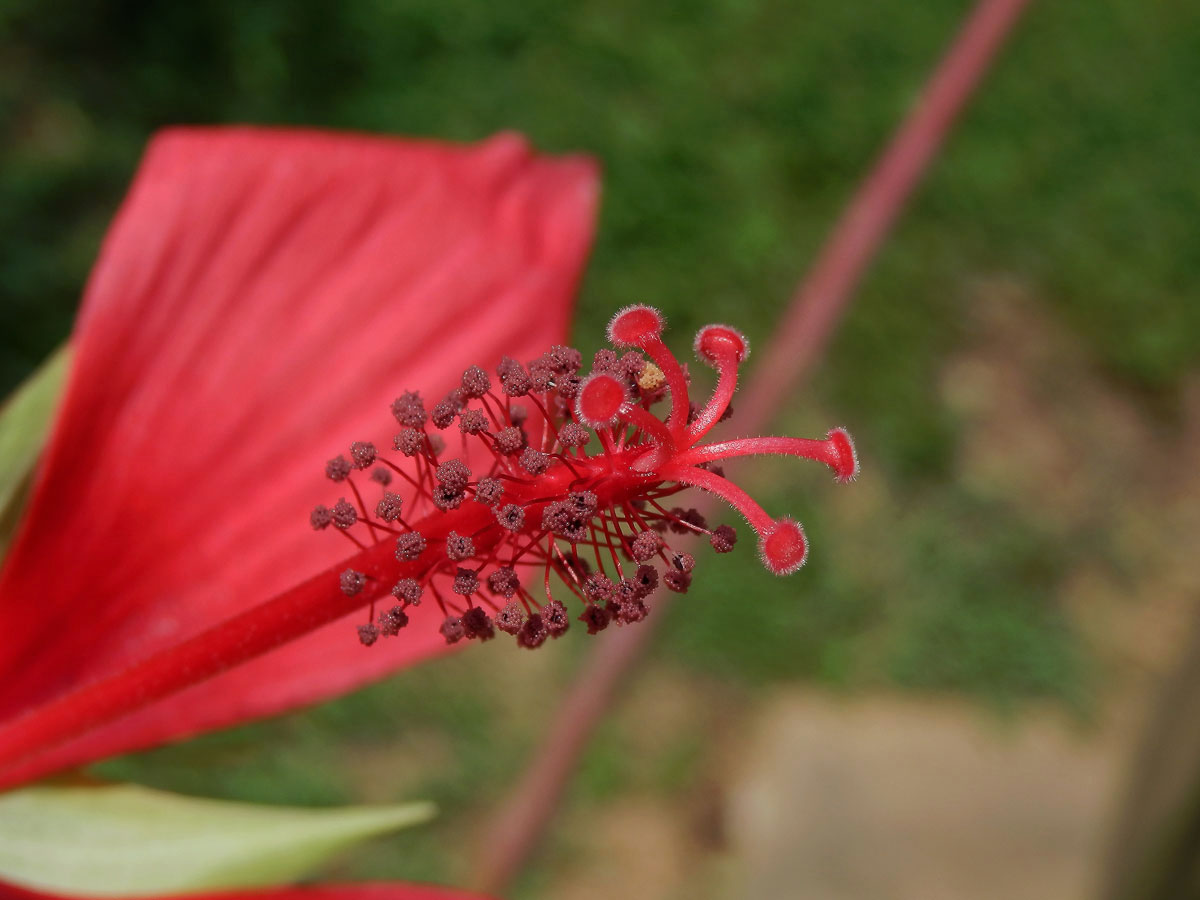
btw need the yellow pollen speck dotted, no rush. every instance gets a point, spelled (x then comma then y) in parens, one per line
(651, 379)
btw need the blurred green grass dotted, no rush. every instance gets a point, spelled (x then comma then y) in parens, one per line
(731, 134)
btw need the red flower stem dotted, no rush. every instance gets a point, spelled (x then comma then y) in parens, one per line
(654, 428)
(399, 471)
(666, 516)
(285, 617)
(366, 513)
(606, 442)
(676, 383)
(821, 451)
(813, 313)
(727, 379)
(820, 300)
(547, 423)
(754, 514)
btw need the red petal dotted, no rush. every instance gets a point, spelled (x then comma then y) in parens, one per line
(327, 892)
(259, 301)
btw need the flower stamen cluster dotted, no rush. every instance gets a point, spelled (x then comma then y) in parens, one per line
(489, 532)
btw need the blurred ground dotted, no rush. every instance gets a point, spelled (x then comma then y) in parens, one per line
(918, 800)
(994, 598)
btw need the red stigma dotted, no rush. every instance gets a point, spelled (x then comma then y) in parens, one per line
(483, 531)
(600, 399)
(716, 343)
(636, 326)
(845, 458)
(784, 548)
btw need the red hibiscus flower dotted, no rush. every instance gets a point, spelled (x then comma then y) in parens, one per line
(263, 293)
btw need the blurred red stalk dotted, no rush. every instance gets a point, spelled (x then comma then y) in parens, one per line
(821, 298)
(812, 315)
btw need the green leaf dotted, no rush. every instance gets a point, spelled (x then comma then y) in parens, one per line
(24, 422)
(129, 840)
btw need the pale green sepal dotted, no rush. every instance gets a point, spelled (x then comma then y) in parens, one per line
(24, 423)
(128, 840)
